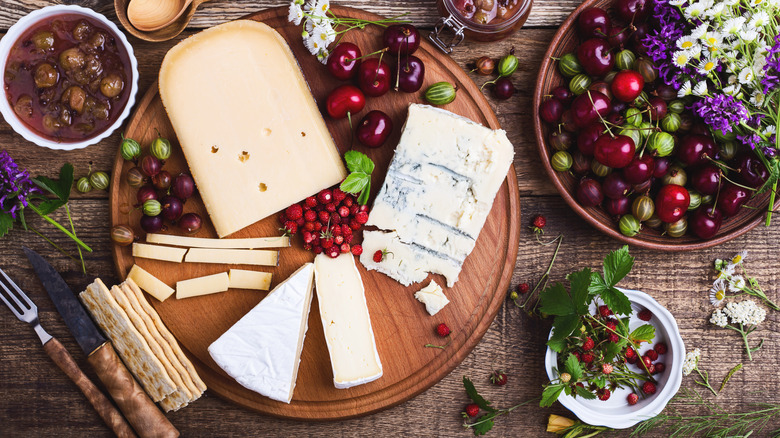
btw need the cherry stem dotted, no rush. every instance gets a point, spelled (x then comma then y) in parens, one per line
(379, 64)
(593, 104)
(366, 56)
(351, 131)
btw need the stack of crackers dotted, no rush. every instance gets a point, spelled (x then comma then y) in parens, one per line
(143, 342)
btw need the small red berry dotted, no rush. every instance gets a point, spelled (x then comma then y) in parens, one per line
(310, 216)
(604, 311)
(577, 355)
(353, 209)
(308, 226)
(442, 330)
(604, 394)
(523, 288)
(307, 246)
(327, 242)
(498, 378)
(325, 196)
(380, 254)
(363, 208)
(361, 217)
(652, 354)
(357, 250)
(472, 410)
(632, 399)
(323, 216)
(348, 202)
(588, 344)
(538, 224)
(647, 361)
(290, 227)
(343, 211)
(345, 248)
(338, 195)
(317, 226)
(307, 237)
(333, 252)
(630, 352)
(606, 368)
(611, 325)
(330, 207)
(318, 249)
(300, 222)
(294, 212)
(648, 388)
(645, 315)
(659, 367)
(614, 338)
(587, 358)
(354, 225)
(651, 369)
(632, 360)
(660, 348)
(338, 240)
(310, 202)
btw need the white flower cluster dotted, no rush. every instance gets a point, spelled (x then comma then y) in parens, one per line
(734, 34)
(691, 361)
(719, 318)
(747, 313)
(318, 33)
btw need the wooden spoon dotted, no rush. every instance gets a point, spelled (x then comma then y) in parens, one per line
(160, 20)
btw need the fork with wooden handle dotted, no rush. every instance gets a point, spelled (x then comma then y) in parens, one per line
(24, 309)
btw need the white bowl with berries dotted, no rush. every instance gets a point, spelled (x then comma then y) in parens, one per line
(624, 407)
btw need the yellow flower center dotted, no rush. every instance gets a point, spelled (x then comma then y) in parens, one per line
(721, 294)
(736, 259)
(682, 60)
(687, 45)
(709, 65)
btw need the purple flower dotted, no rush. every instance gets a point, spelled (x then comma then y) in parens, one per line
(750, 139)
(772, 68)
(15, 186)
(721, 111)
(769, 152)
(666, 27)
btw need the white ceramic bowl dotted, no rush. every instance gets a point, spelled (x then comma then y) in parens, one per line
(616, 413)
(19, 28)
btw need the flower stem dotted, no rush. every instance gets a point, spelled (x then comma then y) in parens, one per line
(60, 227)
(771, 205)
(73, 230)
(706, 381)
(57, 247)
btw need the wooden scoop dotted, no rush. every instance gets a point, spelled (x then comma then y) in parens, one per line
(156, 20)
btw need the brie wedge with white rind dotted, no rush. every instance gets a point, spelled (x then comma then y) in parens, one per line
(346, 322)
(433, 297)
(247, 123)
(437, 194)
(262, 350)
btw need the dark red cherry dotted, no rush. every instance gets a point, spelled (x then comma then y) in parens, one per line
(633, 11)
(706, 179)
(617, 207)
(694, 149)
(752, 171)
(587, 108)
(593, 23)
(373, 77)
(503, 89)
(706, 221)
(374, 129)
(618, 36)
(563, 94)
(403, 39)
(672, 202)
(639, 170)
(343, 62)
(627, 85)
(411, 74)
(662, 165)
(586, 139)
(551, 110)
(658, 109)
(615, 186)
(589, 193)
(596, 57)
(615, 152)
(638, 38)
(731, 199)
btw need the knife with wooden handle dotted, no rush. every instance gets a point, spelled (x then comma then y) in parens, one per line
(140, 411)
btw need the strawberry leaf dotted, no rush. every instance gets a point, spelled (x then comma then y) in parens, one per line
(358, 162)
(564, 326)
(471, 391)
(573, 367)
(617, 265)
(557, 345)
(612, 350)
(355, 182)
(584, 393)
(550, 394)
(363, 198)
(61, 187)
(616, 300)
(6, 223)
(643, 333)
(580, 283)
(556, 301)
(483, 424)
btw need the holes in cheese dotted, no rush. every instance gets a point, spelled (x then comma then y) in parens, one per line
(201, 242)
(164, 253)
(196, 287)
(258, 257)
(149, 283)
(242, 279)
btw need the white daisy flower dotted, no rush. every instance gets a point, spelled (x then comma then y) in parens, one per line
(737, 283)
(312, 45)
(719, 318)
(677, 2)
(731, 2)
(712, 40)
(700, 89)
(681, 58)
(757, 98)
(727, 271)
(732, 90)
(716, 10)
(685, 90)
(748, 35)
(759, 20)
(770, 130)
(322, 56)
(732, 79)
(687, 42)
(754, 3)
(733, 26)
(325, 33)
(699, 31)
(706, 66)
(746, 76)
(691, 361)
(718, 292)
(739, 258)
(295, 14)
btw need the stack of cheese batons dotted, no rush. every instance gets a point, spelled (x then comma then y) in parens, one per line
(143, 342)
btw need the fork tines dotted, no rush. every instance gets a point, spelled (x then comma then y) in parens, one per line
(18, 308)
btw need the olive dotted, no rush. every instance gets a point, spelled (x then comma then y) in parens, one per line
(82, 30)
(23, 106)
(74, 97)
(481, 18)
(72, 59)
(50, 123)
(46, 76)
(97, 41)
(43, 40)
(111, 85)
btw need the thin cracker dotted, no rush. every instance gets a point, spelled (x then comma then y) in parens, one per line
(128, 341)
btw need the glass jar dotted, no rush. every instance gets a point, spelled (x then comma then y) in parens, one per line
(480, 20)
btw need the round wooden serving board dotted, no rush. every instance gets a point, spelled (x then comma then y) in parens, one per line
(401, 325)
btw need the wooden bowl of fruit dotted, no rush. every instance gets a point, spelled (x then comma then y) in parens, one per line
(624, 152)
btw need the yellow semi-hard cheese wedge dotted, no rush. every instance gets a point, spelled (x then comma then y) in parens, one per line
(249, 127)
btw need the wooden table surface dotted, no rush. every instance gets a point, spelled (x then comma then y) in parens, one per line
(36, 399)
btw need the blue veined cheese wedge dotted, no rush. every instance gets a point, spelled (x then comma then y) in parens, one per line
(437, 194)
(249, 127)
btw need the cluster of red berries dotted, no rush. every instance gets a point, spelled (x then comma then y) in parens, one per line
(497, 378)
(327, 222)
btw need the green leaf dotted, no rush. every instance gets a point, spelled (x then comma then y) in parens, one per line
(61, 187)
(643, 333)
(483, 424)
(364, 194)
(612, 349)
(622, 327)
(355, 182)
(556, 301)
(358, 162)
(550, 394)
(6, 223)
(597, 284)
(617, 265)
(573, 367)
(600, 381)
(580, 283)
(50, 205)
(471, 391)
(564, 325)
(616, 300)
(557, 345)
(584, 393)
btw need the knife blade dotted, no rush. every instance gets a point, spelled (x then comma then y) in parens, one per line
(141, 412)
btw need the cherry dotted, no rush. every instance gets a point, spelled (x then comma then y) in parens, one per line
(639, 170)
(662, 165)
(706, 180)
(658, 109)
(593, 23)
(627, 85)
(618, 36)
(586, 139)
(615, 118)
(373, 77)
(638, 38)
(374, 129)
(344, 101)
(401, 39)
(672, 202)
(588, 107)
(589, 192)
(595, 57)
(410, 75)
(343, 61)
(563, 94)
(731, 199)
(615, 152)
(706, 221)
(752, 171)
(551, 110)
(618, 207)
(694, 149)
(633, 11)
(614, 186)
(503, 89)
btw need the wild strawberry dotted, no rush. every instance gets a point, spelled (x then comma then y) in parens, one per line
(606, 368)
(645, 315)
(338, 240)
(587, 358)
(307, 237)
(282, 217)
(307, 246)
(361, 217)
(588, 344)
(611, 325)
(348, 202)
(353, 209)
(498, 378)
(604, 311)
(363, 208)
(630, 352)
(523, 288)
(310, 202)
(335, 230)
(648, 388)
(659, 368)
(577, 355)
(380, 254)
(632, 399)
(344, 248)
(333, 252)
(290, 227)
(660, 348)
(316, 239)
(308, 226)
(318, 249)
(330, 207)
(325, 196)
(652, 354)
(326, 243)
(323, 216)
(338, 195)
(614, 338)
(651, 369)
(647, 361)
(343, 211)
(294, 212)
(357, 250)
(538, 224)
(604, 394)
(631, 360)
(300, 221)
(472, 410)
(442, 330)
(565, 377)
(335, 219)
(317, 226)
(310, 216)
